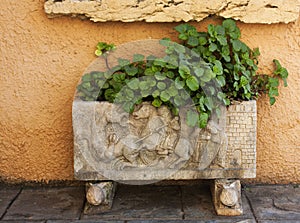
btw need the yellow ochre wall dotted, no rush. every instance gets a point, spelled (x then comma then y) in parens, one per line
(42, 60)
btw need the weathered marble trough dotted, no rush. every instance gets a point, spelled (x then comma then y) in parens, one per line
(151, 144)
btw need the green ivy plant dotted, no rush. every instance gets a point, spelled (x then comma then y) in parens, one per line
(103, 48)
(202, 72)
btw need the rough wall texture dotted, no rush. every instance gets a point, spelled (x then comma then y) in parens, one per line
(249, 11)
(43, 59)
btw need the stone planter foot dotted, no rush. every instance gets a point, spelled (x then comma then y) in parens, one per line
(100, 194)
(226, 196)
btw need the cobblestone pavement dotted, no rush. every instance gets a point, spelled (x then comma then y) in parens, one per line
(146, 203)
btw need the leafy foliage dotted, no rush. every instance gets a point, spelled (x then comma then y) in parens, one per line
(206, 70)
(104, 48)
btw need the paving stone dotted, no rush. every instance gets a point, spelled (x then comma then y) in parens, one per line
(275, 202)
(142, 202)
(193, 221)
(279, 221)
(167, 221)
(22, 221)
(7, 195)
(83, 221)
(41, 203)
(197, 204)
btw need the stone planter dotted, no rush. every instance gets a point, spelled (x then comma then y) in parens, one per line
(151, 145)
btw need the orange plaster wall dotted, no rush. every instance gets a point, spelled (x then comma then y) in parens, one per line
(42, 60)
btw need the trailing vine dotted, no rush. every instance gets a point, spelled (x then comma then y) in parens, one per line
(210, 68)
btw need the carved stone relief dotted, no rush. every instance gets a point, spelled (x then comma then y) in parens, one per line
(111, 143)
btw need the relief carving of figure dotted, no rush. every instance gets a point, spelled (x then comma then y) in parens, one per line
(152, 137)
(211, 146)
(139, 147)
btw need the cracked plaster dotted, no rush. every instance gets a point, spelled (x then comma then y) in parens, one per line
(248, 11)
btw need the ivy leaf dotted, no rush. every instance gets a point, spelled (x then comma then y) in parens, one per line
(159, 76)
(217, 68)
(202, 40)
(192, 118)
(179, 48)
(212, 89)
(281, 71)
(212, 47)
(236, 85)
(149, 72)
(237, 45)
(256, 52)
(119, 77)
(131, 70)
(128, 106)
(87, 77)
(236, 34)
(273, 92)
(229, 25)
(98, 52)
(123, 62)
(109, 95)
(199, 71)
(222, 96)
(170, 74)
(220, 30)
(86, 85)
(144, 85)
(208, 75)
(226, 101)
(159, 62)
(156, 102)
(184, 95)
(193, 41)
(172, 91)
(203, 119)
(178, 101)
(226, 58)
(221, 81)
(243, 81)
(133, 84)
(209, 103)
(103, 47)
(145, 93)
(165, 42)
(272, 100)
(225, 50)
(211, 30)
(181, 28)
(155, 93)
(222, 40)
(129, 94)
(183, 36)
(161, 85)
(97, 75)
(138, 58)
(192, 83)
(201, 103)
(273, 82)
(179, 84)
(184, 71)
(164, 96)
